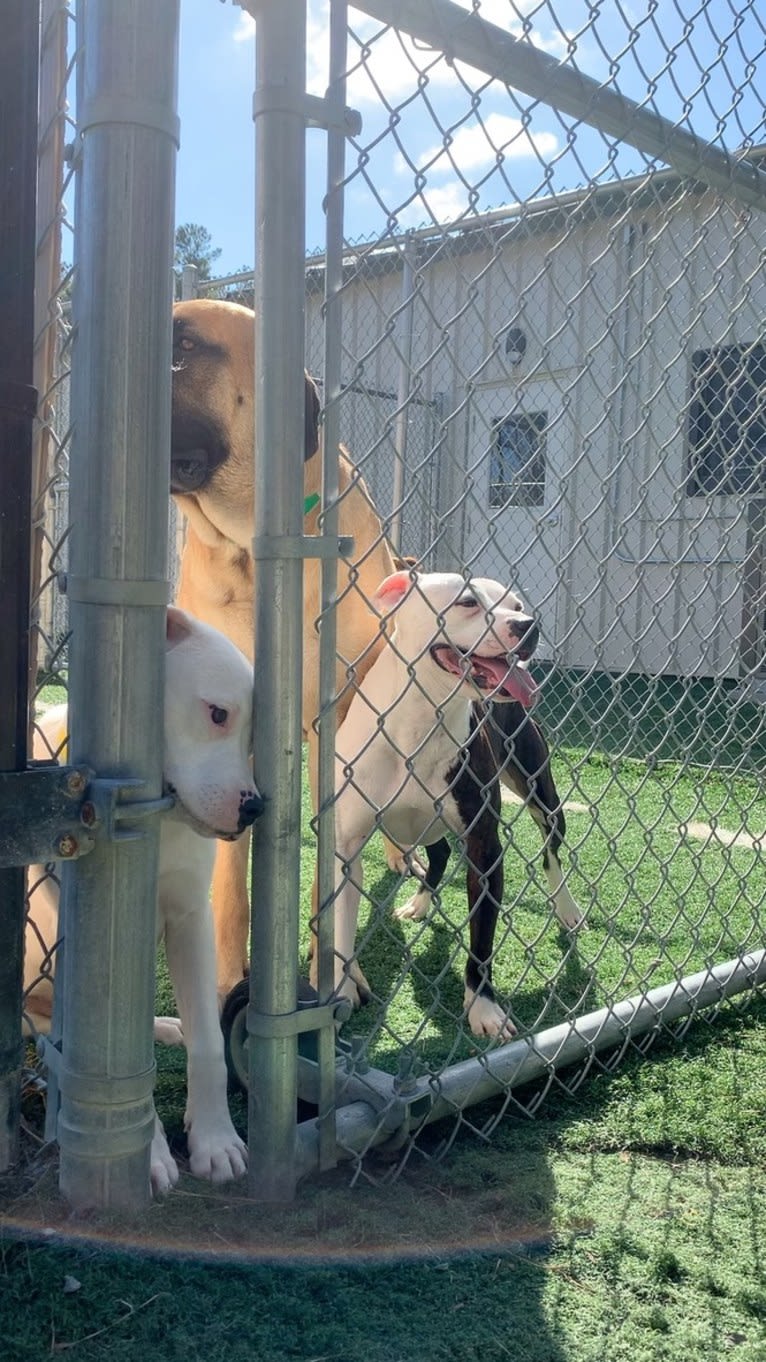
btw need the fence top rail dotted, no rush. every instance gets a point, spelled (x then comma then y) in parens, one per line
(532, 214)
(465, 36)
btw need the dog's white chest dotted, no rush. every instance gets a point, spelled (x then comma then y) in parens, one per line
(405, 786)
(421, 807)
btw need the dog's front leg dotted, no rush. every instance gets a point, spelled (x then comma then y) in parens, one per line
(215, 1149)
(484, 881)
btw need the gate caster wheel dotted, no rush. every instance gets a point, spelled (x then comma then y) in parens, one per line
(234, 1027)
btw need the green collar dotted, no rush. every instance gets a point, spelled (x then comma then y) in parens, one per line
(310, 503)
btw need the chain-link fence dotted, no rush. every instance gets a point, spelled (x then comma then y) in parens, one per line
(540, 338)
(50, 507)
(565, 395)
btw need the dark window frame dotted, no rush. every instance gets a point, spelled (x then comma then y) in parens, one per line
(726, 427)
(515, 480)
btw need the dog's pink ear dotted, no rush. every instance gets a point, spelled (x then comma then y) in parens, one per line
(392, 591)
(179, 627)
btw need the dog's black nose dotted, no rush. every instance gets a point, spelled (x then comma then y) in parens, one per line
(528, 636)
(251, 807)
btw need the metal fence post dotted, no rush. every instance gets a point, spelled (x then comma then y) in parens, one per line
(18, 163)
(189, 282)
(279, 112)
(117, 584)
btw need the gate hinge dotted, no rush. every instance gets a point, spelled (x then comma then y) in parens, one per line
(55, 813)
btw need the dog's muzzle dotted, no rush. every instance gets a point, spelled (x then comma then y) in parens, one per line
(528, 635)
(251, 807)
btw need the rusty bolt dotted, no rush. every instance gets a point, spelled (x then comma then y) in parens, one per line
(75, 783)
(88, 813)
(66, 846)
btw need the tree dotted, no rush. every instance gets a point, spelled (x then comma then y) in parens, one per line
(194, 246)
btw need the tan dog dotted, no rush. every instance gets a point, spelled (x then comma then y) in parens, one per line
(212, 481)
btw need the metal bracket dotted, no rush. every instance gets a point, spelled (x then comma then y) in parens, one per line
(271, 546)
(315, 110)
(306, 1018)
(114, 817)
(55, 813)
(401, 1101)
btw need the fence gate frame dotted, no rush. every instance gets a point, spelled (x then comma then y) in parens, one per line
(118, 589)
(361, 1107)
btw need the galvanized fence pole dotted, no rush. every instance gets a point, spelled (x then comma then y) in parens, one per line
(117, 583)
(280, 113)
(406, 320)
(18, 165)
(332, 390)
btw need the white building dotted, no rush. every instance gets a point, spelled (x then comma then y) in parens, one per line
(586, 379)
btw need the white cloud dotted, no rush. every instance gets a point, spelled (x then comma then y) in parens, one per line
(245, 28)
(476, 145)
(442, 203)
(394, 61)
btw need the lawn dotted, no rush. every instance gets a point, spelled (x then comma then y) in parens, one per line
(625, 1221)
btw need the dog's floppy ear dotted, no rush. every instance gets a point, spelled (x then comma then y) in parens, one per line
(179, 627)
(392, 591)
(311, 437)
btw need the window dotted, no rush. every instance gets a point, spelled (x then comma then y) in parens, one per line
(727, 421)
(517, 460)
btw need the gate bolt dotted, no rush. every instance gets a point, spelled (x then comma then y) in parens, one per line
(405, 1081)
(75, 783)
(66, 846)
(88, 814)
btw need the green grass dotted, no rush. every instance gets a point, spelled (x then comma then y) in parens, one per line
(659, 905)
(624, 1223)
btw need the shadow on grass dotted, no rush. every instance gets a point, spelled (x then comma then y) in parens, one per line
(428, 959)
(625, 1221)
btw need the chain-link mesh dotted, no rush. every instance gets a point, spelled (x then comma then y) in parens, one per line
(50, 516)
(568, 395)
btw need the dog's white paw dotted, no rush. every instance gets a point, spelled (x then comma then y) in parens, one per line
(416, 908)
(215, 1149)
(162, 1166)
(568, 913)
(486, 1017)
(168, 1031)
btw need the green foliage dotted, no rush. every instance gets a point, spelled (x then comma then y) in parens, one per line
(194, 246)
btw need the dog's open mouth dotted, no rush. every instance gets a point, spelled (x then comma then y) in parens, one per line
(503, 676)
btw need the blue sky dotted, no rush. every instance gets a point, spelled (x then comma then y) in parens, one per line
(708, 70)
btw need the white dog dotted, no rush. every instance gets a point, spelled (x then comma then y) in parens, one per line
(414, 758)
(208, 708)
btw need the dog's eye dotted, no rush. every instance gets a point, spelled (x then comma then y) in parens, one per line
(218, 715)
(469, 602)
(186, 343)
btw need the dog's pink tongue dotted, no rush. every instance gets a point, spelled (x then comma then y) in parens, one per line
(516, 683)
